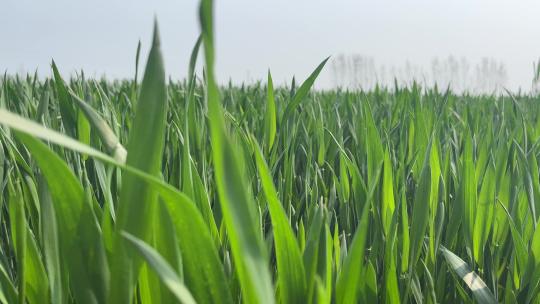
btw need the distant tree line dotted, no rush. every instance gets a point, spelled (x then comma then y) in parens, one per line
(486, 76)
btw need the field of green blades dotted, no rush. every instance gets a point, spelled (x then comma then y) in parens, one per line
(165, 192)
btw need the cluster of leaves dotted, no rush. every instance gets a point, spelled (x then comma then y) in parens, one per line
(258, 194)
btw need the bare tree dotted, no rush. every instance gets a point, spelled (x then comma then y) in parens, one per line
(536, 79)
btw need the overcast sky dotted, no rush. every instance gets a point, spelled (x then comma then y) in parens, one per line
(288, 36)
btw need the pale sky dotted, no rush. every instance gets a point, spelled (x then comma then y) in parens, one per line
(288, 36)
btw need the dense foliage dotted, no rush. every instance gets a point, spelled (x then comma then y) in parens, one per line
(258, 194)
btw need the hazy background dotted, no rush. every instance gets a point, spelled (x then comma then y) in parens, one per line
(288, 36)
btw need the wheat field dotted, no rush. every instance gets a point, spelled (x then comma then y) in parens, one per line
(160, 191)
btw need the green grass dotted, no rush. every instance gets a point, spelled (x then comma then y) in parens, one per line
(163, 192)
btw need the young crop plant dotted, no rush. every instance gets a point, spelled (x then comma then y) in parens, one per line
(188, 192)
